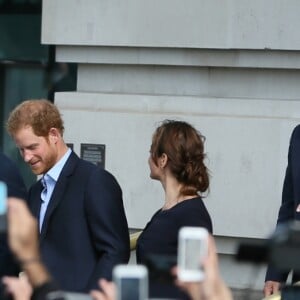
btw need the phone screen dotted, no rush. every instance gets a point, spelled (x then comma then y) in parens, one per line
(192, 254)
(3, 198)
(129, 289)
(192, 249)
(3, 207)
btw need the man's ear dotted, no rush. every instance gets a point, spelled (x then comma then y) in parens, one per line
(54, 134)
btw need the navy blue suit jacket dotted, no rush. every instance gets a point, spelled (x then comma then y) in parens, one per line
(290, 197)
(85, 231)
(9, 174)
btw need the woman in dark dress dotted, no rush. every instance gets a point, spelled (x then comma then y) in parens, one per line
(177, 161)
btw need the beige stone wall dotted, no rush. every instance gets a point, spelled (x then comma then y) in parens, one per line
(230, 67)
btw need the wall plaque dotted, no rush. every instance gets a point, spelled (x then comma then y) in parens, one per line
(94, 153)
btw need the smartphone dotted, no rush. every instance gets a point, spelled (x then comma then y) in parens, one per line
(131, 282)
(3, 206)
(192, 249)
(62, 295)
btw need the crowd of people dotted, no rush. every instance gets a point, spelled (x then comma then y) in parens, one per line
(70, 229)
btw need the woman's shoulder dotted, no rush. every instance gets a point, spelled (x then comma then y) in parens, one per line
(194, 213)
(193, 202)
(185, 207)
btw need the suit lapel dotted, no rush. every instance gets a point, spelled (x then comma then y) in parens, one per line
(35, 193)
(59, 190)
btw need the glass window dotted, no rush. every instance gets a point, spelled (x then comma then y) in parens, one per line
(27, 68)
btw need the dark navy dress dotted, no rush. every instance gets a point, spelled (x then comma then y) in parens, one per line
(160, 237)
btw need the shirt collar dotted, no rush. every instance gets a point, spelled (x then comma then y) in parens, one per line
(55, 171)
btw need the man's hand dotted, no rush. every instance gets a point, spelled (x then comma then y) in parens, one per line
(271, 287)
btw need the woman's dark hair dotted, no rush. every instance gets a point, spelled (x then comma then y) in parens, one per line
(184, 146)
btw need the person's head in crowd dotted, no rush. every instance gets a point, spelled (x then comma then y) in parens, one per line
(178, 148)
(37, 129)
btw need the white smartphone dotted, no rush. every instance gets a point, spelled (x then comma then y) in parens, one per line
(192, 249)
(131, 282)
(62, 295)
(3, 206)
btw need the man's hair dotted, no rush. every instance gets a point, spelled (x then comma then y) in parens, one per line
(41, 115)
